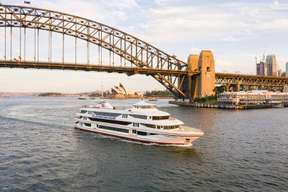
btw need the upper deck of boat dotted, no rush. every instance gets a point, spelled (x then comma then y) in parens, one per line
(140, 108)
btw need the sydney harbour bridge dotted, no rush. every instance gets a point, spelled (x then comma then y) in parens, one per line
(45, 39)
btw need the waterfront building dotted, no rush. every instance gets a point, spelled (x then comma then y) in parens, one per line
(256, 97)
(121, 92)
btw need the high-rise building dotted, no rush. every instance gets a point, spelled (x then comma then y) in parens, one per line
(272, 65)
(262, 68)
(287, 69)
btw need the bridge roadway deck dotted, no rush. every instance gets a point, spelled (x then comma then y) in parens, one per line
(89, 67)
(220, 77)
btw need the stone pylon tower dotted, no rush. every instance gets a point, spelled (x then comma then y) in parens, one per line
(192, 67)
(206, 78)
(200, 81)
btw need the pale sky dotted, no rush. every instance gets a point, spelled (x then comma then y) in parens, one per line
(236, 31)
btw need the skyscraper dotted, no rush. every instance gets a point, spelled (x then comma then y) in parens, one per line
(272, 65)
(287, 69)
(262, 68)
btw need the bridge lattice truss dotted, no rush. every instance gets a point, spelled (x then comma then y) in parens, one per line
(143, 57)
(263, 82)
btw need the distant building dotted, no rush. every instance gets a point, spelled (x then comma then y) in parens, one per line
(121, 92)
(268, 67)
(279, 73)
(272, 65)
(286, 69)
(262, 68)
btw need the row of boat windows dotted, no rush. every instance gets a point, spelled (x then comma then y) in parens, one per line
(134, 124)
(109, 121)
(161, 126)
(146, 117)
(126, 115)
(113, 128)
(142, 133)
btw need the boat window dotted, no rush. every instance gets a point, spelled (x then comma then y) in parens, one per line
(134, 131)
(83, 111)
(106, 114)
(149, 125)
(87, 124)
(170, 127)
(136, 124)
(144, 106)
(152, 134)
(110, 121)
(160, 117)
(141, 133)
(113, 129)
(139, 116)
(124, 116)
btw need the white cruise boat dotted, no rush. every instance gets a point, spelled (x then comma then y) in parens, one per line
(141, 123)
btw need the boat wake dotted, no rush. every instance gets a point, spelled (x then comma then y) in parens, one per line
(26, 113)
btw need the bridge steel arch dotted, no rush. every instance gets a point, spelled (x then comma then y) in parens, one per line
(140, 53)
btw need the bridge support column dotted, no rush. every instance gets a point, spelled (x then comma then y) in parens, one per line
(238, 87)
(206, 78)
(202, 84)
(227, 87)
(192, 67)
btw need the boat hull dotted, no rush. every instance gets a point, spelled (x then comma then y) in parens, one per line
(164, 140)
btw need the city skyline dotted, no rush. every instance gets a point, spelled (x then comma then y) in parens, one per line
(180, 28)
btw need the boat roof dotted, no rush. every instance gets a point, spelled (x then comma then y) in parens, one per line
(143, 104)
(100, 105)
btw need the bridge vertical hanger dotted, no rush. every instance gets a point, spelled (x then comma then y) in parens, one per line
(25, 37)
(5, 36)
(38, 44)
(50, 47)
(50, 39)
(75, 44)
(110, 50)
(11, 39)
(88, 51)
(35, 44)
(63, 40)
(113, 55)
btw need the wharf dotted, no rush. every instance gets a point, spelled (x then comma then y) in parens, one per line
(224, 106)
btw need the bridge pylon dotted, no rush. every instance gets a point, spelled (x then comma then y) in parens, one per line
(202, 84)
(192, 68)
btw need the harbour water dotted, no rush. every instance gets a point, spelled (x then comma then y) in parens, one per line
(41, 151)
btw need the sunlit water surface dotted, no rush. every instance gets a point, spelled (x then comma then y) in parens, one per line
(41, 151)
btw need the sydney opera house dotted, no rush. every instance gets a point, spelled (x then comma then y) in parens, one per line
(120, 92)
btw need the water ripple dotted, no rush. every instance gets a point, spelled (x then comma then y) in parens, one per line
(40, 151)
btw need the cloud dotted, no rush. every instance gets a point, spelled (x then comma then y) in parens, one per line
(217, 22)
